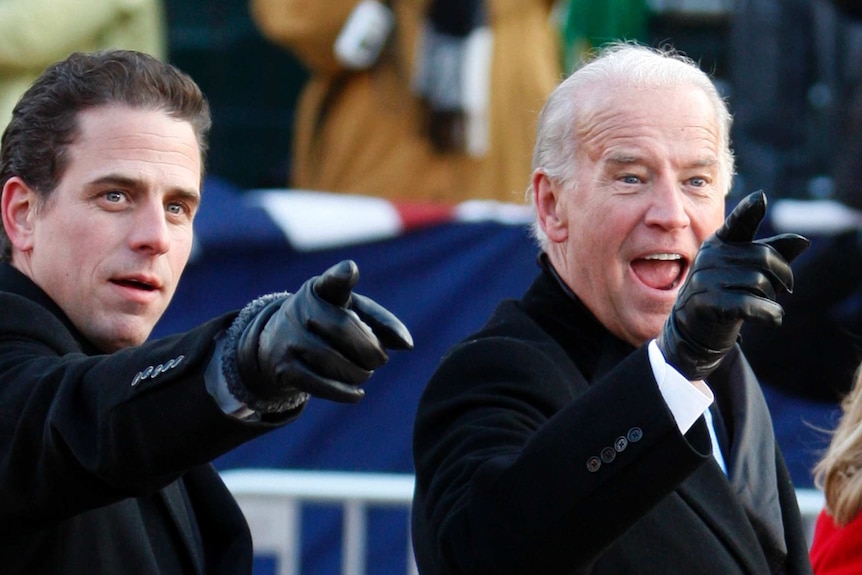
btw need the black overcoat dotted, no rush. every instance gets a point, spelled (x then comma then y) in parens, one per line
(104, 459)
(543, 446)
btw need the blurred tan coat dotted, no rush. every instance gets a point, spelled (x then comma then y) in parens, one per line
(37, 33)
(368, 140)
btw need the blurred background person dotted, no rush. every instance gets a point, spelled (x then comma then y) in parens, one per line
(794, 101)
(416, 99)
(585, 25)
(797, 136)
(778, 96)
(36, 33)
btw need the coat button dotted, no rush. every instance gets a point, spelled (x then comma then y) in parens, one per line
(608, 454)
(635, 434)
(621, 443)
(593, 464)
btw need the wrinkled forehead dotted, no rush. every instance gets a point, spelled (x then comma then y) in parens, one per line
(619, 95)
(119, 129)
(614, 113)
(119, 144)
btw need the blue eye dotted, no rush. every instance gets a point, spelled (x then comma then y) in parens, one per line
(176, 208)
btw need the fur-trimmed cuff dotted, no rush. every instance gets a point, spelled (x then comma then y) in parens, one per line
(229, 365)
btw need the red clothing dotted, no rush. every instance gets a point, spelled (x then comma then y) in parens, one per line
(837, 550)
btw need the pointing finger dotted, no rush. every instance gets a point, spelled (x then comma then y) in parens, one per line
(742, 223)
(790, 246)
(336, 283)
(389, 330)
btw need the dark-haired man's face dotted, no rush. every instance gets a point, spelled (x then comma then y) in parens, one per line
(112, 241)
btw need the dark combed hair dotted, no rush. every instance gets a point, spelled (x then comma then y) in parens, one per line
(44, 122)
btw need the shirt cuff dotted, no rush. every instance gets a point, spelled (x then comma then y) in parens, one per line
(687, 400)
(217, 385)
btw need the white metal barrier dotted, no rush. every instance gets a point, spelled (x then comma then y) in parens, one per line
(271, 501)
(810, 503)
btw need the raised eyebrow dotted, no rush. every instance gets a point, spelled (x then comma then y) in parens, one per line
(623, 159)
(114, 180)
(628, 159)
(190, 195)
(705, 163)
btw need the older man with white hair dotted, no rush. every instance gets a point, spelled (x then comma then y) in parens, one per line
(607, 422)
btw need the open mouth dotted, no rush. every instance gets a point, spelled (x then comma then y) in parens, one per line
(135, 284)
(662, 271)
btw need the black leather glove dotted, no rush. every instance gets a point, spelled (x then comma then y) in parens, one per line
(733, 278)
(323, 340)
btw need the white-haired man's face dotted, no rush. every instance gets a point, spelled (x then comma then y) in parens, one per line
(647, 192)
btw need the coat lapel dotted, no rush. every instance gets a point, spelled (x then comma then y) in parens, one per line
(752, 466)
(708, 493)
(739, 510)
(747, 507)
(745, 503)
(175, 501)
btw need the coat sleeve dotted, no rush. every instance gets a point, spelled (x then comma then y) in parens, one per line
(523, 467)
(79, 431)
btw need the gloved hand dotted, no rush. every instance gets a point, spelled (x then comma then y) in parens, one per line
(733, 278)
(323, 340)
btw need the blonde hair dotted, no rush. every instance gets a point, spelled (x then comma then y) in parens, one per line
(838, 472)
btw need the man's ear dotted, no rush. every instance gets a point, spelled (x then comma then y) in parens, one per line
(18, 204)
(550, 207)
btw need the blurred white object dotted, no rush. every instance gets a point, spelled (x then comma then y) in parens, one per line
(272, 501)
(363, 36)
(692, 7)
(814, 217)
(477, 90)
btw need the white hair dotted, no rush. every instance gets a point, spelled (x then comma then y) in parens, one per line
(620, 62)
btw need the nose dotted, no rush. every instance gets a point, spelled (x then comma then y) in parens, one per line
(150, 233)
(667, 208)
